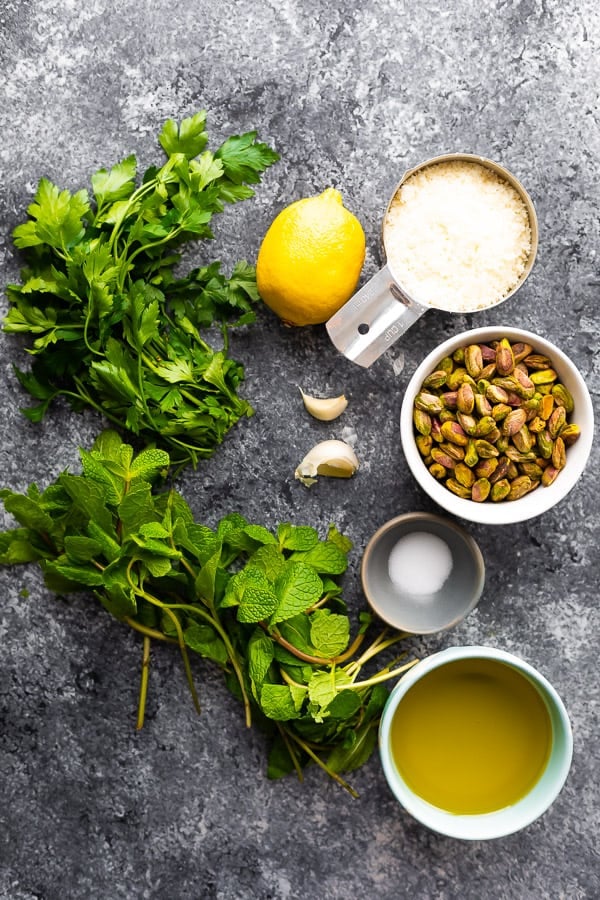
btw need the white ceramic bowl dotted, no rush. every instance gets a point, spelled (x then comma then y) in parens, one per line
(502, 821)
(536, 502)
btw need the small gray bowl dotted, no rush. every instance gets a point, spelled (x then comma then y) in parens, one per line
(417, 612)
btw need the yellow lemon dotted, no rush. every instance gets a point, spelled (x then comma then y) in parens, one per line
(310, 259)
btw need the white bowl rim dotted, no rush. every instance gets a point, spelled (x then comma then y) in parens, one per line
(502, 822)
(533, 504)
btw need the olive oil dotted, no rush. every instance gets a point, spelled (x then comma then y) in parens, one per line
(472, 736)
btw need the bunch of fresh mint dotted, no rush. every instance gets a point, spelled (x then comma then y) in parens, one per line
(112, 325)
(264, 606)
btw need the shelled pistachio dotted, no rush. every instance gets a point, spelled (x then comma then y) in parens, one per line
(492, 421)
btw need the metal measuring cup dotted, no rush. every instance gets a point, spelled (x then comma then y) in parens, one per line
(382, 311)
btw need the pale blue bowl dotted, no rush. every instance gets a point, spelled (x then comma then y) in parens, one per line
(503, 821)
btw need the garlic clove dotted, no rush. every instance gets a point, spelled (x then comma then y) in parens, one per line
(333, 458)
(324, 408)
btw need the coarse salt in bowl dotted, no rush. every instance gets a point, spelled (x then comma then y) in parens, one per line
(537, 501)
(422, 573)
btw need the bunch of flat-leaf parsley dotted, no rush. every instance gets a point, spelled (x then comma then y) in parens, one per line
(113, 326)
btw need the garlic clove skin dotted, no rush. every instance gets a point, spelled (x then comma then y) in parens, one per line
(333, 458)
(324, 408)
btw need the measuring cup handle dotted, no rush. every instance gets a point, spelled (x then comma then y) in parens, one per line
(373, 319)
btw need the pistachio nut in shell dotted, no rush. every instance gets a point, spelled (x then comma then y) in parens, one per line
(562, 397)
(480, 490)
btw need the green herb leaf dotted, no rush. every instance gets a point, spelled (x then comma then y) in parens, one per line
(189, 138)
(297, 587)
(326, 558)
(348, 758)
(16, 548)
(324, 687)
(260, 657)
(55, 218)
(116, 184)
(81, 549)
(297, 537)
(329, 632)
(277, 702)
(344, 705)
(119, 601)
(204, 640)
(27, 511)
(251, 591)
(244, 157)
(85, 576)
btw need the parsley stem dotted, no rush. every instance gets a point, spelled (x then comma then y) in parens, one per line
(317, 759)
(213, 620)
(144, 682)
(383, 676)
(291, 750)
(378, 645)
(307, 657)
(143, 248)
(150, 632)
(141, 592)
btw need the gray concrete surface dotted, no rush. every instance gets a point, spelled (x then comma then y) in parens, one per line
(350, 94)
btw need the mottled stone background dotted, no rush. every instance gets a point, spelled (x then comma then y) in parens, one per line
(350, 94)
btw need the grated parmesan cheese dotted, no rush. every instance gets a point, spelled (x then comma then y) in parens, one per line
(457, 236)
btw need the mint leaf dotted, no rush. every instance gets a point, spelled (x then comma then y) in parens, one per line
(329, 632)
(149, 464)
(15, 548)
(324, 687)
(347, 758)
(158, 566)
(109, 547)
(260, 534)
(296, 631)
(86, 576)
(297, 537)
(27, 511)
(277, 702)
(81, 549)
(253, 594)
(260, 657)
(108, 444)
(89, 498)
(376, 702)
(326, 558)
(297, 587)
(279, 762)
(269, 559)
(204, 640)
(119, 601)
(206, 581)
(344, 705)
(342, 542)
(137, 508)
(203, 541)
(95, 470)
